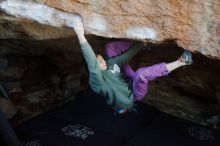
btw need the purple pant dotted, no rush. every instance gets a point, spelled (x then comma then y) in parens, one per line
(140, 77)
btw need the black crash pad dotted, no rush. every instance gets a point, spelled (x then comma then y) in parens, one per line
(91, 113)
(166, 130)
(89, 121)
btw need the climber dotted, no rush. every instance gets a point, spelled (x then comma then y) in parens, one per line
(105, 77)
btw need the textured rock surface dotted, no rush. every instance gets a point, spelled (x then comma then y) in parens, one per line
(7, 108)
(192, 93)
(53, 68)
(192, 24)
(15, 28)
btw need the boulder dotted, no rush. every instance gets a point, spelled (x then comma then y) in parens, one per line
(194, 24)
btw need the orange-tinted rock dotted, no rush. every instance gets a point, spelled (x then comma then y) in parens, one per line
(14, 28)
(193, 24)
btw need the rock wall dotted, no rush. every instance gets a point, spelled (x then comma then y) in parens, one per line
(45, 74)
(193, 24)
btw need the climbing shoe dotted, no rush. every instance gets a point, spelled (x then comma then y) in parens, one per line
(121, 111)
(187, 57)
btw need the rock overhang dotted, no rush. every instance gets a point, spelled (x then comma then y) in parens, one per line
(194, 25)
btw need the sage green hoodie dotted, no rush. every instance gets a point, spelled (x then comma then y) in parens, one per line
(111, 83)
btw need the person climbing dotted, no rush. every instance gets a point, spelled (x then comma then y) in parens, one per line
(122, 89)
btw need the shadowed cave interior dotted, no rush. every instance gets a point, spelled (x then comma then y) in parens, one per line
(47, 75)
